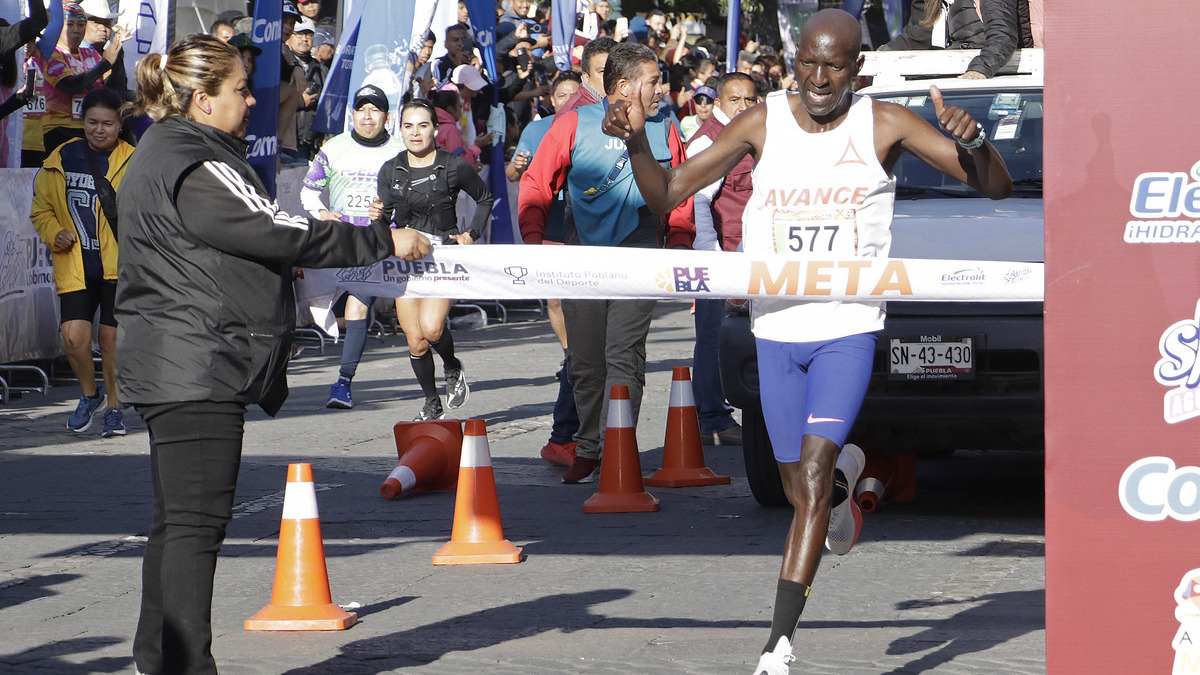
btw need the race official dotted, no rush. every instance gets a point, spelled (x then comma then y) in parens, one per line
(206, 313)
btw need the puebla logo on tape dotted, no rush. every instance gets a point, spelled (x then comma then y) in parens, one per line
(398, 271)
(1179, 369)
(1165, 206)
(684, 280)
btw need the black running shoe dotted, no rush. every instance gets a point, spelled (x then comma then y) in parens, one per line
(431, 411)
(457, 389)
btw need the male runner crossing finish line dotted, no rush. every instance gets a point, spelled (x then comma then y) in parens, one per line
(823, 186)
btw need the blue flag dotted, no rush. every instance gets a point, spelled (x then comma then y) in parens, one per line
(49, 39)
(563, 32)
(263, 132)
(483, 20)
(331, 109)
(381, 55)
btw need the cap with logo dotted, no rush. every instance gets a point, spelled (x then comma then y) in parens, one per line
(469, 77)
(371, 94)
(305, 25)
(324, 36)
(707, 92)
(290, 8)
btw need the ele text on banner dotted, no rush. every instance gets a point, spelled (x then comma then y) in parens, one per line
(1122, 342)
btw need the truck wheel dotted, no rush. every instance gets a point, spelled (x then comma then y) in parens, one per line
(761, 471)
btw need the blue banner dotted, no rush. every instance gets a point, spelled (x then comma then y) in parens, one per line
(562, 33)
(262, 135)
(49, 39)
(331, 109)
(483, 20)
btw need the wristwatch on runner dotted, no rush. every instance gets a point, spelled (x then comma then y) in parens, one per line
(974, 143)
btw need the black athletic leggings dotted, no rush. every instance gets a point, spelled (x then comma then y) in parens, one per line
(195, 452)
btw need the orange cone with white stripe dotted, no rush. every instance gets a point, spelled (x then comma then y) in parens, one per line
(621, 489)
(300, 599)
(478, 535)
(875, 480)
(683, 455)
(428, 453)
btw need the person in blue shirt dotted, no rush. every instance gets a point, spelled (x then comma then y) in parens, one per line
(560, 449)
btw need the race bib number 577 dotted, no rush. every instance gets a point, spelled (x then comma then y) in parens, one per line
(803, 233)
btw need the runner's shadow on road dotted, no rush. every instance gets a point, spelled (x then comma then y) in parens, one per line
(568, 612)
(33, 588)
(990, 621)
(46, 658)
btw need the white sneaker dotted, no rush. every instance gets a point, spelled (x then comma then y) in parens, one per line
(776, 662)
(845, 519)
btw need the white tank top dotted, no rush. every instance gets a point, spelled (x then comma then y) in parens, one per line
(824, 196)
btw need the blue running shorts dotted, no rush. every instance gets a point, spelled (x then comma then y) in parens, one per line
(812, 388)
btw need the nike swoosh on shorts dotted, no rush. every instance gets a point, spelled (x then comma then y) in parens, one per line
(818, 420)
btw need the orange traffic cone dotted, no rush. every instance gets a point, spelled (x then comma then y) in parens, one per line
(478, 535)
(428, 453)
(875, 481)
(683, 455)
(300, 599)
(621, 489)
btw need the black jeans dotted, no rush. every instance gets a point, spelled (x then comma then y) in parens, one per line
(566, 418)
(195, 452)
(607, 340)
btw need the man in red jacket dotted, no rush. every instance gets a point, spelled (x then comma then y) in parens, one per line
(606, 338)
(719, 227)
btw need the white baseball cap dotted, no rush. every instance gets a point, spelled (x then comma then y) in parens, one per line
(98, 9)
(305, 24)
(469, 77)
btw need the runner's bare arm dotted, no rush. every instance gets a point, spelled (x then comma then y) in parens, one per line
(664, 190)
(982, 168)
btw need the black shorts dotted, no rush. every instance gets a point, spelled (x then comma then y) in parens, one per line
(82, 305)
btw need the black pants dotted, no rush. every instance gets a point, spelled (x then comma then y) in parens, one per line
(607, 340)
(195, 452)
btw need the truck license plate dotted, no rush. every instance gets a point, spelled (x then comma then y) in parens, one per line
(931, 357)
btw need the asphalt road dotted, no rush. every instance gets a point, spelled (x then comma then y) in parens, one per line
(952, 583)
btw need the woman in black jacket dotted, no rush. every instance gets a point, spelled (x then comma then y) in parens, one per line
(419, 188)
(205, 311)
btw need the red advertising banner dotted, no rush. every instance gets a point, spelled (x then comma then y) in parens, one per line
(1122, 338)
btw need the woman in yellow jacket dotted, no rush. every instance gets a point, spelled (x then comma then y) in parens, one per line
(74, 198)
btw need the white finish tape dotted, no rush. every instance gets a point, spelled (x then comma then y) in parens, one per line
(512, 272)
(475, 452)
(681, 394)
(299, 501)
(405, 475)
(620, 414)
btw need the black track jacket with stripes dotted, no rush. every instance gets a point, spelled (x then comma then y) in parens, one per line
(205, 305)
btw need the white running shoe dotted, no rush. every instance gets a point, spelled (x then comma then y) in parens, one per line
(775, 662)
(845, 519)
